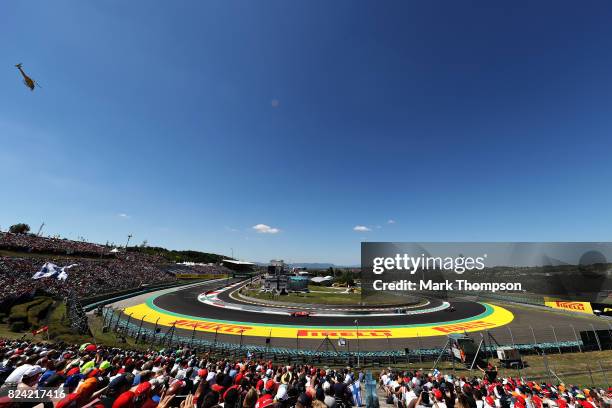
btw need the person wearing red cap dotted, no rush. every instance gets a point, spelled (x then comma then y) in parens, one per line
(218, 388)
(520, 402)
(260, 385)
(69, 401)
(264, 401)
(582, 402)
(270, 387)
(537, 401)
(91, 348)
(142, 396)
(93, 373)
(125, 400)
(438, 398)
(561, 402)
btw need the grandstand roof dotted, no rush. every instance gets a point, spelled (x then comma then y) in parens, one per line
(238, 262)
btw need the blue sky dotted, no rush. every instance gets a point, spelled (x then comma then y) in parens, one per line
(189, 123)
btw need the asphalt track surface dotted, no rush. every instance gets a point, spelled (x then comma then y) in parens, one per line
(185, 302)
(528, 321)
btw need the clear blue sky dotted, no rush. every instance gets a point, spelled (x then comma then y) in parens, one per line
(188, 123)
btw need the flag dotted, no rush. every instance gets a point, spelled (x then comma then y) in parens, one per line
(356, 391)
(63, 275)
(41, 330)
(50, 270)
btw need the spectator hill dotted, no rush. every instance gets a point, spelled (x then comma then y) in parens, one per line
(98, 269)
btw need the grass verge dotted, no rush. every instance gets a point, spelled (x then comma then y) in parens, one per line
(585, 369)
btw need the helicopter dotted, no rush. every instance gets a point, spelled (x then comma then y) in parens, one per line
(29, 82)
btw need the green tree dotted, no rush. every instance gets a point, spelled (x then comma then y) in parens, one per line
(20, 228)
(348, 278)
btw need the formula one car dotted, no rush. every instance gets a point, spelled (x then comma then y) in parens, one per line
(300, 313)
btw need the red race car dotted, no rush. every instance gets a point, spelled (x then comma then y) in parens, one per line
(300, 313)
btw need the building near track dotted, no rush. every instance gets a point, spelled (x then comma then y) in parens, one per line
(240, 269)
(276, 278)
(298, 283)
(280, 280)
(300, 271)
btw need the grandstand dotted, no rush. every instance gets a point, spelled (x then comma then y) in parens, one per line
(192, 270)
(93, 272)
(240, 269)
(96, 270)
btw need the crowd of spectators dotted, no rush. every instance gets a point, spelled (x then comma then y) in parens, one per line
(87, 278)
(96, 376)
(59, 246)
(98, 268)
(405, 389)
(102, 377)
(198, 268)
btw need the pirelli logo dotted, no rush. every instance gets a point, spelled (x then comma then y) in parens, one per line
(571, 305)
(211, 326)
(581, 307)
(459, 327)
(365, 333)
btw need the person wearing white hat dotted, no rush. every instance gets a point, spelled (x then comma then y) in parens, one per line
(14, 378)
(30, 377)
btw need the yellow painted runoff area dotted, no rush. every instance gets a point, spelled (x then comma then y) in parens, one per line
(494, 317)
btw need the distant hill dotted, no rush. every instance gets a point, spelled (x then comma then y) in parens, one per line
(313, 265)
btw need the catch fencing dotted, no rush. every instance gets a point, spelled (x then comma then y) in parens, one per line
(545, 339)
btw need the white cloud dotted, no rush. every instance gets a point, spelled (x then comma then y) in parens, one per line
(123, 215)
(265, 229)
(391, 222)
(361, 228)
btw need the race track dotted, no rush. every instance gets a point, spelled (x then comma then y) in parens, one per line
(509, 323)
(182, 302)
(180, 308)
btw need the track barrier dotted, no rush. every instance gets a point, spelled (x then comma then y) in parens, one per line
(542, 340)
